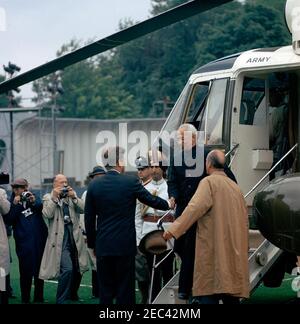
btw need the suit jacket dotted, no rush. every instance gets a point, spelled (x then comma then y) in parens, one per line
(112, 198)
(181, 186)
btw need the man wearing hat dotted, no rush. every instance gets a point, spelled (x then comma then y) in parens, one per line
(30, 234)
(98, 171)
(149, 218)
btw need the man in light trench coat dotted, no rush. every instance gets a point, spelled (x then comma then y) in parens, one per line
(65, 255)
(4, 248)
(221, 261)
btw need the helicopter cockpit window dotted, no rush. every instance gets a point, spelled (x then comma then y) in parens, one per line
(215, 112)
(253, 109)
(175, 117)
(197, 105)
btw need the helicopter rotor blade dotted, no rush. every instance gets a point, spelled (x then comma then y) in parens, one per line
(162, 20)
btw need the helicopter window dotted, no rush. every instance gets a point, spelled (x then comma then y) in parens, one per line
(215, 110)
(175, 117)
(197, 101)
(253, 103)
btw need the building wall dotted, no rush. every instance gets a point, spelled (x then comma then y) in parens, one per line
(76, 138)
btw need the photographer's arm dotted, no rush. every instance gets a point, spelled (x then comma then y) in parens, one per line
(37, 205)
(78, 205)
(4, 203)
(90, 218)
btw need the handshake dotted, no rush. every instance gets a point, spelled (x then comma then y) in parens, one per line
(171, 202)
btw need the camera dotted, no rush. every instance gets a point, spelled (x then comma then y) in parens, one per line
(64, 192)
(4, 178)
(25, 196)
(67, 219)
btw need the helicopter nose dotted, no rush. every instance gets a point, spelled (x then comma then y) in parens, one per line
(276, 212)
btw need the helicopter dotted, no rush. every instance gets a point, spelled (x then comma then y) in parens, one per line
(229, 101)
(235, 102)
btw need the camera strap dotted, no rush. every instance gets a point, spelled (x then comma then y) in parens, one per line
(66, 212)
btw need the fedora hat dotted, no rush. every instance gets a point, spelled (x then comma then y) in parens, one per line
(97, 170)
(153, 243)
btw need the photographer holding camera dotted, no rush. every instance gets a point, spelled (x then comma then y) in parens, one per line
(65, 255)
(4, 249)
(30, 234)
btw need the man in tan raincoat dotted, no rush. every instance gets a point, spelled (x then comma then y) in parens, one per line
(221, 262)
(65, 255)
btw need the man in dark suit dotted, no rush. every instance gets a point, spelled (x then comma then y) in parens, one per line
(113, 199)
(183, 181)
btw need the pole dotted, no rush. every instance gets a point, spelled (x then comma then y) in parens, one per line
(152, 279)
(54, 134)
(12, 158)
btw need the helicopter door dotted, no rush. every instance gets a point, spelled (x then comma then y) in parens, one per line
(250, 129)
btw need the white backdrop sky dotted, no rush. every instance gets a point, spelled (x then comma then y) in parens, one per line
(36, 29)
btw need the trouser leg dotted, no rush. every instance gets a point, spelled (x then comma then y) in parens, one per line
(106, 279)
(229, 300)
(205, 300)
(142, 276)
(125, 274)
(65, 277)
(167, 268)
(25, 282)
(95, 289)
(4, 294)
(38, 290)
(187, 263)
(76, 280)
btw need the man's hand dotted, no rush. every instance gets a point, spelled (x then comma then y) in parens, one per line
(172, 203)
(167, 235)
(56, 192)
(17, 200)
(71, 193)
(32, 198)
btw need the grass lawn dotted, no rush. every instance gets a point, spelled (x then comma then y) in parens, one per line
(262, 295)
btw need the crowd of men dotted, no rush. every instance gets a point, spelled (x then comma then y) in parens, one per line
(63, 235)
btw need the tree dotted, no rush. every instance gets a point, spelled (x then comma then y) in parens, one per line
(90, 90)
(128, 80)
(3, 98)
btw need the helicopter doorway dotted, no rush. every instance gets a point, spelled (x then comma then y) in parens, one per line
(263, 124)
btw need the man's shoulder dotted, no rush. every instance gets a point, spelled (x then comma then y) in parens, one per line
(129, 178)
(47, 196)
(221, 180)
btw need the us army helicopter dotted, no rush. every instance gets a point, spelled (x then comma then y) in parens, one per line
(248, 103)
(229, 100)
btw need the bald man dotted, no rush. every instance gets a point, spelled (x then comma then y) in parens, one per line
(65, 255)
(219, 209)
